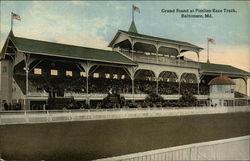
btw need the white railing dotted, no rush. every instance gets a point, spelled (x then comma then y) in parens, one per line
(100, 96)
(38, 94)
(165, 61)
(161, 60)
(141, 96)
(226, 149)
(22, 117)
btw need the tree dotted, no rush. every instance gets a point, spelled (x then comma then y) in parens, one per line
(187, 99)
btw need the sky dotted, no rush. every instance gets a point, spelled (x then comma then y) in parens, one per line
(94, 24)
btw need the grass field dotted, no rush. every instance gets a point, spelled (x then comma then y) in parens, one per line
(87, 140)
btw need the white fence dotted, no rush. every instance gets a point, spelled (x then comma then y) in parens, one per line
(226, 149)
(161, 60)
(22, 117)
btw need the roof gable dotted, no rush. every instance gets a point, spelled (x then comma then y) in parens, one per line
(2, 53)
(68, 51)
(159, 39)
(152, 38)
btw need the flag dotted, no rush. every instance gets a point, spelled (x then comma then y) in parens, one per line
(136, 9)
(211, 40)
(16, 16)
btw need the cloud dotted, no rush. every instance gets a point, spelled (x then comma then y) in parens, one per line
(79, 3)
(203, 4)
(116, 5)
(237, 55)
(62, 28)
(179, 25)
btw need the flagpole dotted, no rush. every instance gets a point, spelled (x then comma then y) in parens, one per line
(132, 12)
(11, 20)
(208, 51)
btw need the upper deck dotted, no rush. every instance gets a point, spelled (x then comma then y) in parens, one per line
(160, 60)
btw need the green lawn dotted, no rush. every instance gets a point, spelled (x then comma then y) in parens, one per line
(86, 140)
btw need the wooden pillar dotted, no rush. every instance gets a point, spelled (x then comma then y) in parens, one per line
(133, 83)
(27, 56)
(86, 66)
(157, 51)
(198, 55)
(132, 47)
(179, 87)
(157, 85)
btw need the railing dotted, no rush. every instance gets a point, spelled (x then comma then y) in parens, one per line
(23, 117)
(135, 96)
(38, 94)
(226, 149)
(100, 96)
(161, 60)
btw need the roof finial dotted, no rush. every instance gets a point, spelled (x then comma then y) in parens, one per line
(132, 27)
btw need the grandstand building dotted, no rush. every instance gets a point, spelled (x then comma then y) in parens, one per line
(37, 73)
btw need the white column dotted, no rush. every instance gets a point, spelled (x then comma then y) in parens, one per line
(179, 55)
(157, 75)
(246, 84)
(133, 83)
(246, 79)
(157, 50)
(179, 88)
(132, 47)
(87, 83)
(26, 81)
(198, 90)
(157, 84)
(198, 73)
(87, 86)
(198, 82)
(86, 66)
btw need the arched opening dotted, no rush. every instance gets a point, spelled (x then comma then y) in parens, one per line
(189, 55)
(168, 83)
(188, 83)
(203, 86)
(125, 47)
(145, 81)
(144, 52)
(102, 79)
(145, 48)
(167, 51)
(139, 49)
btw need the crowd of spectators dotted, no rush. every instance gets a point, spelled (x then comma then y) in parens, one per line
(51, 84)
(77, 84)
(168, 88)
(12, 106)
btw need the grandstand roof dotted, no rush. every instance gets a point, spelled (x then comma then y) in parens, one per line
(220, 68)
(66, 51)
(134, 34)
(221, 80)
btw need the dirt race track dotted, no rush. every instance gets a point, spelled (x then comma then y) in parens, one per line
(87, 140)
